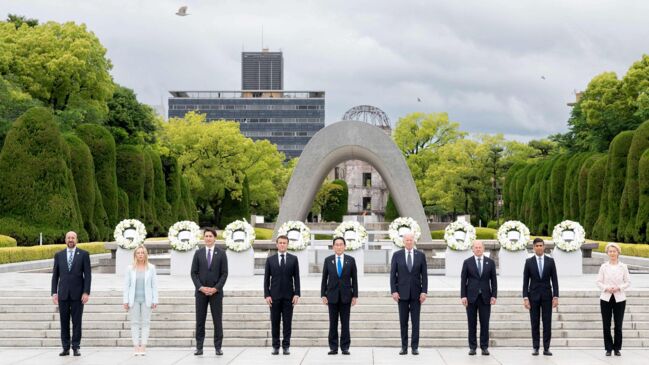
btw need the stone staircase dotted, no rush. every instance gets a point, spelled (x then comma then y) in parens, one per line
(29, 319)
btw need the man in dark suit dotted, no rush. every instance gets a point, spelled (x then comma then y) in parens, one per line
(282, 292)
(409, 287)
(209, 272)
(339, 290)
(478, 292)
(540, 294)
(71, 278)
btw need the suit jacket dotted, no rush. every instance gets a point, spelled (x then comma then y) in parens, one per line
(71, 284)
(408, 284)
(472, 284)
(282, 283)
(150, 286)
(341, 289)
(536, 287)
(213, 276)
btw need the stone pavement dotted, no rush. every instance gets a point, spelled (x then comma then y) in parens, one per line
(312, 355)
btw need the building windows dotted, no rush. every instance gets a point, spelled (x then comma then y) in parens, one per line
(367, 203)
(367, 179)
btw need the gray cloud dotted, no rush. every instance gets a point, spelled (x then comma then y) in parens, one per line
(480, 61)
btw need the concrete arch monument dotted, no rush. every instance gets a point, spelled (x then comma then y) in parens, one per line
(351, 140)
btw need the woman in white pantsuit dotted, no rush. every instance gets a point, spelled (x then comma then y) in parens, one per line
(140, 297)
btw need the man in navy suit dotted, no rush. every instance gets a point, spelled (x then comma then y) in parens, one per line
(540, 294)
(409, 287)
(281, 291)
(209, 272)
(71, 278)
(339, 291)
(478, 292)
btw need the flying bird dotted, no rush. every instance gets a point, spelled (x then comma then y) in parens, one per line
(182, 11)
(419, 100)
(542, 77)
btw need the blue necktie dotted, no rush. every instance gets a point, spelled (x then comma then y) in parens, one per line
(540, 267)
(70, 260)
(340, 267)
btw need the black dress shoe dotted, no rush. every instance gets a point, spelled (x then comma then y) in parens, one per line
(345, 352)
(608, 353)
(286, 351)
(219, 352)
(404, 351)
(535, 352)
(275, 352)
(198, 352)
(617, 353)
(471, 352)
(332, 352)
(415, 351)
(65, 353)
(547, 353)
(76, 352)
(485, 352)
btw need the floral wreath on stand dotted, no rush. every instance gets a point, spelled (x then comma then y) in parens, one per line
(356, 230)
(184, 235)
(129, 233)
(239, 236)
(513, 236)
(299, 241)
(459, 241)
(397, 230)
(568, 236)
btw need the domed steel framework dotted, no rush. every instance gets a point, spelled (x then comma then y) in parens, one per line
(368, 114)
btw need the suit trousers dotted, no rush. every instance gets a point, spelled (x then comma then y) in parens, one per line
(342, 311)
(281, 311)
(216, 306)
(473, 310)
(616, 309)
(70, 309)
(541, 309)
(409, 308)
(140, 323)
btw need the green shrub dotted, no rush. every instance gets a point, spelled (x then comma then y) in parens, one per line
(130, 178)
(234, 209)
(391, 212)
(557, 183)
(263, 233)
(544, 196)
(509, 196)
(102, 147)
(583, 184)
(629, 207)
(615, 177)
(39, 192)
(628, 249)
(336, 205)
(150, 215)
(162, 208)
(481, 234)
(122, 199)
(6, 241)
(594, 193)
(22, 254)
(643, 205)
(172, 175)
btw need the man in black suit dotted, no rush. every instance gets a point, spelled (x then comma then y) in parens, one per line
(209, 272)
(71, 278)
(339, 290)
(541, 294)
(409, 287)
(478, 292)
(282, 292)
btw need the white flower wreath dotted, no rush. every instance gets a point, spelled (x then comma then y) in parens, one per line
(568, 236)
(354, 234)
(455, 240)
(129, 233)
(401, 226)
(513, 236)
(239, 236)
(299, 235)
(184, 235)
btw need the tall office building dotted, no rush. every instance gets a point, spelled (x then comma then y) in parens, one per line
(262, 70)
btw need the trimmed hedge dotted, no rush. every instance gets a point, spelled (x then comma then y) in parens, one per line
(161, 207)
(150, 215)
(594, 193)
(628, 249)
(336, 208)
(39, 194)
(643, 190)
(21, 254)
(583, 184)
(629, 208)
(6, 241)
(509, 190)
(189, 206)
(232, 209)
(544, 198)
(481, 234)
(391, 212)
(172, 175)
(130, 178)
(122, 200)
(555, 192)
(615, 177)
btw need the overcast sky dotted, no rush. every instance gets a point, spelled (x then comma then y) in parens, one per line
(481, 61)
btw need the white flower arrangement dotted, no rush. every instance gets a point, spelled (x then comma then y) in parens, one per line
(568, 236)
(459, 235)
(401, 226)
(354, 234)
(513, 236)
(299, 235)
(239, 236)
(184, 235)
(129, 233)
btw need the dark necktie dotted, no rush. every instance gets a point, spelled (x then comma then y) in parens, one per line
(409, 262)
(479, 266)
(209, 258)
(282, 262)
(70, 257)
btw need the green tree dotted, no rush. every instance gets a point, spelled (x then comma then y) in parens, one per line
(596, 175)
(615, 176)
(20, 20)
(643, 203)
(131, 176)
(335, 206)
(391, 212)
(630, 194)
(129, 120)
(13, 103)
(235, 208)
(584, 171)
(555, 192)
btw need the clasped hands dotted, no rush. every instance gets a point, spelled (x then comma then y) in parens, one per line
(527, 305)
(207, 290)
(396, 297)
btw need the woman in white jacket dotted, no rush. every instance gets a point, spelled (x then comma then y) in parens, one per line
(140, 297)
(613, 280)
